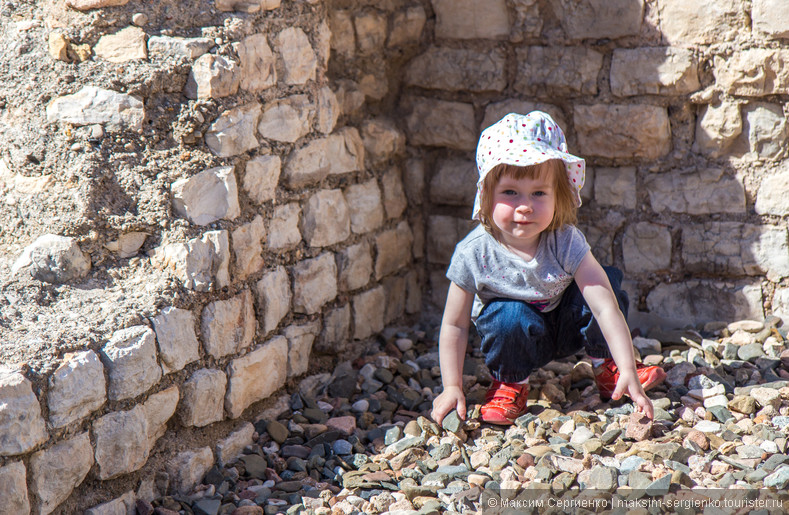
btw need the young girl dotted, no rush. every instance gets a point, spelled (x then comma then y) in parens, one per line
(526, 278)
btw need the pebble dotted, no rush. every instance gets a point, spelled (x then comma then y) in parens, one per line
(718, 423)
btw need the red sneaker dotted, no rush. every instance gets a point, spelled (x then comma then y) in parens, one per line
(504, 402)
(607, 374)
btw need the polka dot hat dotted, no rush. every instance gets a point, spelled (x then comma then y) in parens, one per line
(524, 140)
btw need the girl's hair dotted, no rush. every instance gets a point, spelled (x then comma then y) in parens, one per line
(565, 211)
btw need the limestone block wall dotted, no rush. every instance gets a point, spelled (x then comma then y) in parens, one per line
(192, 210)
(679, 108)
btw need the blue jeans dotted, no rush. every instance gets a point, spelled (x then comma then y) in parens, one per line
(518, 338)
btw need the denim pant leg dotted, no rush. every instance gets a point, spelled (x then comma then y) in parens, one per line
(516, 339)
(578, 329)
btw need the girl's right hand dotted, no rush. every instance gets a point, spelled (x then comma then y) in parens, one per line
(451, 398)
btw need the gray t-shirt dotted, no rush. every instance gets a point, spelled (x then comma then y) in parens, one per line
(483, 266)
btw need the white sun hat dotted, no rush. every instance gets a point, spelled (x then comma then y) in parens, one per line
(524, 140)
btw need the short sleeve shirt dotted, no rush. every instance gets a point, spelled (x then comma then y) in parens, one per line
(483, 266)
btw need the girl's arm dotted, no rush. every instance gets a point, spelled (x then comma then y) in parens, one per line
(597, 291)
(452, 343)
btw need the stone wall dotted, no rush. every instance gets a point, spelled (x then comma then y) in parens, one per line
(192, 210)
(679, 108)
(198, 198)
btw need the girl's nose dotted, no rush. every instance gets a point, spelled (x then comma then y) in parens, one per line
(525, 208)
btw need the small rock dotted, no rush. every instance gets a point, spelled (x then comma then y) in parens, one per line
(451, 422)
(750, 352)
(699, 438)
(639, 427)
(278, 432)
(743, 404)
(766, 397)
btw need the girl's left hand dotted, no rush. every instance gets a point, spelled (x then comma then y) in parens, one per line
(632, 386)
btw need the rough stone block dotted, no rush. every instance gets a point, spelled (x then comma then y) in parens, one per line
(393, 250)
(130, 359)
(314, 283)
(300, 340)
(443, 233)
(622, 131)
(189, 468)
(370, 31)
(368, 312)
(233, 133)
(91, 105)
(495, 111)
(201, 264)
(167, 47)
(335, 337)
(415, 181)
(297, 58)
(355, 266)
(765, 125)
(413, 300)
(395, 288)
(284, 230)
(558, 70)
(230, 448)
(326, 219)
(21, 425)
(771, 198)
(261, 177)
(203, 398)
(307, 164)
(343, 39)
(646, 247)
(121, 440)
(781, 303)
(209, 196)
(382, 140)
(287, 120)
(125, 45)
(56, 471)
(395, 202)
(158, 409)
(407, 27)
(248, 247)
(696, 192)
(257, 64)
(616, 186)
(328, 110)
(612, 18)
(345, 150)
(273, 298)
(256, 376)
(770, 18)
(364, 205)
(53, 259)
(440, 123)
(122, 505)
(212, 76)
(734, 248)
(718, 127)
(76, 389)
(228, 326)
(175, 334)
(454, 183)
(653, 71)
(13, 489)
(467, 19)
(753, 72)
(700, 21)
(701, 301)
(451, 69)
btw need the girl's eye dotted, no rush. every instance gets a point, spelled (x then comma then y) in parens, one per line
(539, 193)
(509, 192)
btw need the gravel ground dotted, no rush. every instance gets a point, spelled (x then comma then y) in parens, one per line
(359, 440)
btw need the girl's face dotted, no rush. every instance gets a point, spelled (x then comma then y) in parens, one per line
(522, 209)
